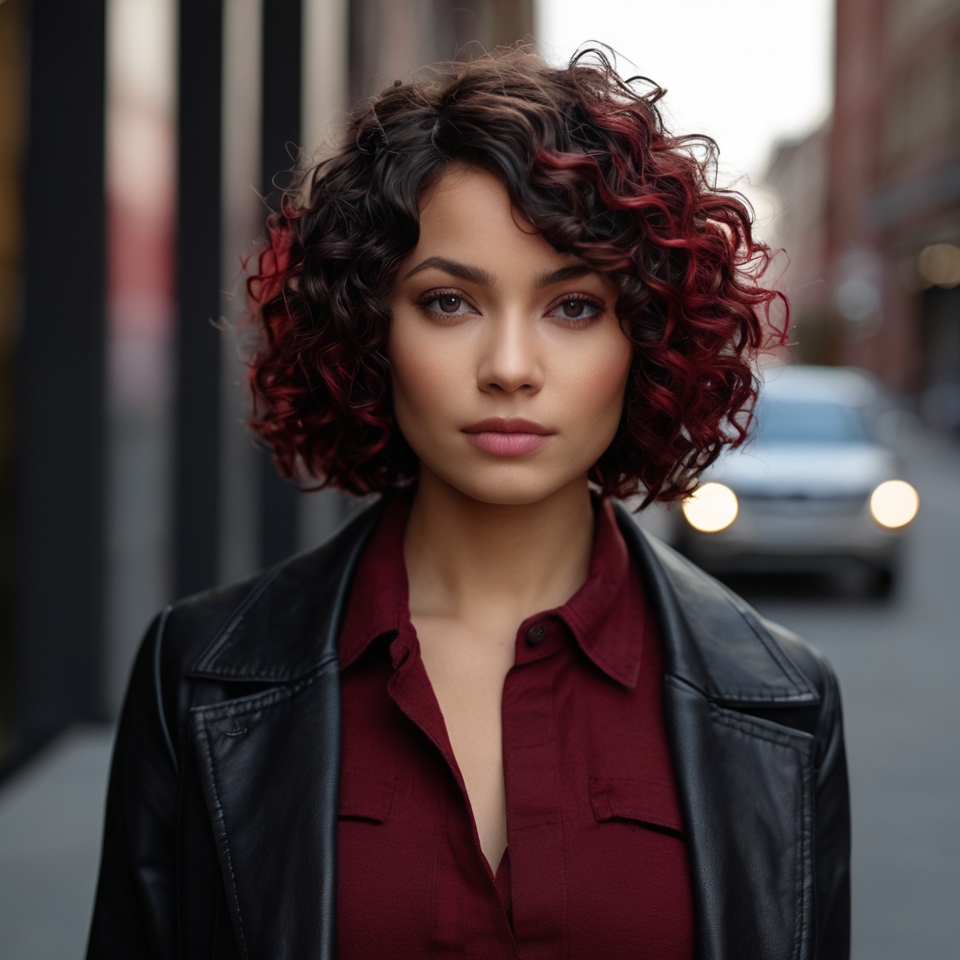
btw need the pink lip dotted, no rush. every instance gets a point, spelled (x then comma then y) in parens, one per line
(505, 437)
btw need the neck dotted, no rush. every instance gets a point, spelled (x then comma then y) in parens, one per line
(475, 561)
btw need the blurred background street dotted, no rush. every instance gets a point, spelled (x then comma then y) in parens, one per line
(142, 143)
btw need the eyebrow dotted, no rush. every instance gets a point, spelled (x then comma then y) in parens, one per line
(564, 273)
(461, 270)
(481, 277)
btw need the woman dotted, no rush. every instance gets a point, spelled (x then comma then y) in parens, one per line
(490, 718)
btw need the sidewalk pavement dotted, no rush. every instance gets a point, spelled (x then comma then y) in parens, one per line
(51, 815)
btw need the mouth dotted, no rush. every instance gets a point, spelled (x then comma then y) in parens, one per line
(507, 437)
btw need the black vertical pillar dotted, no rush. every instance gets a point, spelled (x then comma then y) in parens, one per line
(280, 138)
(60, 544)
(197, 446)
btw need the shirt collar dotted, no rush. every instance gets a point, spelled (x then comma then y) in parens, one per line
(380, 597)
(606, 615)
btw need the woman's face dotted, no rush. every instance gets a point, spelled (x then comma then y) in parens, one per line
(508, 363)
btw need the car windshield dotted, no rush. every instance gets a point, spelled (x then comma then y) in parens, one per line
(809, 421)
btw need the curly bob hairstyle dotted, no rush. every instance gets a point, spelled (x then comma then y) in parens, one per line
(585, 157)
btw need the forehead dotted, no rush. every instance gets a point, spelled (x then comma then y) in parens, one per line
(471, 209)
(460, 184)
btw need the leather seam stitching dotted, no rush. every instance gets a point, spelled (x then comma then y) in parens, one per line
(158, 690)
(825, 720)
(232, 709)
(743, 725)
(801, 864)
(266, 676)
(798, 875)
(737, 698)
(208, 756)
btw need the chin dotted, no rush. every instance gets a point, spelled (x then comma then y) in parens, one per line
(509, 486)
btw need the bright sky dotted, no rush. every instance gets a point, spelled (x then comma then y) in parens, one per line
(746, 72)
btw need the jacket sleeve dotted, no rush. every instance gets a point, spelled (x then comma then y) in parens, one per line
(133, 910)
(831, 840)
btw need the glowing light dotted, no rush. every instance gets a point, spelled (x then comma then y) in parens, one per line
(894, 504)
(939, 265)
(711, 508)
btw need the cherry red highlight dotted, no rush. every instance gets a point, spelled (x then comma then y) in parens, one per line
(587, 160)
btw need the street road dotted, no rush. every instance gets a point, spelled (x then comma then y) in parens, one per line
(899, 669)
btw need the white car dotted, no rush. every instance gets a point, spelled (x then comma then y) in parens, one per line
(814, 487)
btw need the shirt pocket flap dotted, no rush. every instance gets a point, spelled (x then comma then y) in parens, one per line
(653, 804)
(366, 796)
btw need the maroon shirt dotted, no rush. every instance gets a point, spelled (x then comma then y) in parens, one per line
(596, 863)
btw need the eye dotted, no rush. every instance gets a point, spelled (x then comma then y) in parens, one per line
(447, 304)
(576, 308)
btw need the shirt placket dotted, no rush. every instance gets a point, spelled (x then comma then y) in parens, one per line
(534, 822)
(455, 930)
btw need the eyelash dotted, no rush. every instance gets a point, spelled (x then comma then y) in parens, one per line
(431, 295)
(578, 298)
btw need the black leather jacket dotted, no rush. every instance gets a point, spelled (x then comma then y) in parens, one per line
(221, 822)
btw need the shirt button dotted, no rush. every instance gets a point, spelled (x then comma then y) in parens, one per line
(535, 635)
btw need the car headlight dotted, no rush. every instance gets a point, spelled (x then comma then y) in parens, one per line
(711, 508)
(894, 504)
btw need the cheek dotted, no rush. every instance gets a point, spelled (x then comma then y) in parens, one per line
(598, 380)
(425, 375)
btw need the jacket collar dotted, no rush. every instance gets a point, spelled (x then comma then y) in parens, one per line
(713, 641)
(299, 604)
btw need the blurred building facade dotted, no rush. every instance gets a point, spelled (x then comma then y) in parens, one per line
(799, 175)
(871, 204)
(389, 38)
(189, 116)
(12, 134)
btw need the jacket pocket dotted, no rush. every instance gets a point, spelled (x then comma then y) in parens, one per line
(365, 796)
(643, 801)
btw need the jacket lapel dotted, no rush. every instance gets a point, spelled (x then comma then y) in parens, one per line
(269, 765)
(745, 782)
(269, 761)
(746, 791)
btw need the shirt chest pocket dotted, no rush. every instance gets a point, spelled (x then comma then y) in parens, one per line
(641, 801)
(366, 796)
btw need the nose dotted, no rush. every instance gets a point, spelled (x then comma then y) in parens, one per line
(510, 360)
